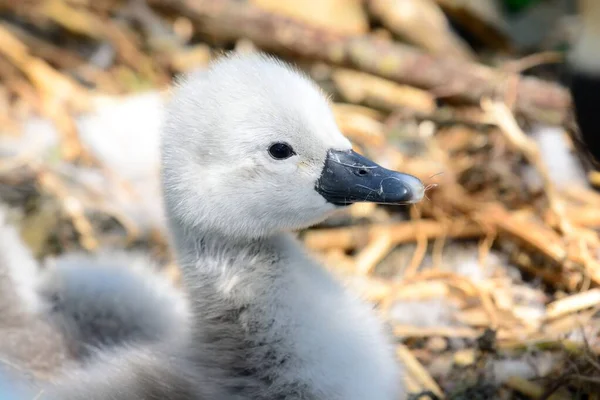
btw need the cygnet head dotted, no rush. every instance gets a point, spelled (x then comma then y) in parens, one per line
(251, 148)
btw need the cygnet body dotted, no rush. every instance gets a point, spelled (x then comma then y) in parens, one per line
(109, 299)
(250, 153)
(87, 317)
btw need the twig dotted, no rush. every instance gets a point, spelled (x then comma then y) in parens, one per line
(524, 386)
(228, 19)
(423, 23)
(573, 303)
(373, 253)
(56, 89)
(432, 331)
(376, 92)
(506, 121)
(418, 372)
(72, 207)
(352, 237)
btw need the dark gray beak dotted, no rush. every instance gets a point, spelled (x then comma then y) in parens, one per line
(349, 178)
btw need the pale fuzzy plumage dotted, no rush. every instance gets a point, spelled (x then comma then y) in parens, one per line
(111, 298)
(159, 371)
(83, 310)
(267, 321)
(292, 331)
(219, 125)
(12, 387)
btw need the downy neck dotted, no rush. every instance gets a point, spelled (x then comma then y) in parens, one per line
(195, 244)
(222, 269)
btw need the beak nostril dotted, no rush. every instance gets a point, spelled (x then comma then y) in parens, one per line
(363, 172)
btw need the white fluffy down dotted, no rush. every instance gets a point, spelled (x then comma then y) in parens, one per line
(112, 298)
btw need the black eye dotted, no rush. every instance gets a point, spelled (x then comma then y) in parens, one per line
(281, 151)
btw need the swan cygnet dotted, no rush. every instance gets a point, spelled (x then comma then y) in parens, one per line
(583, 66)
(105, 311)
(250, 153)
(107, 326)
(109, 299)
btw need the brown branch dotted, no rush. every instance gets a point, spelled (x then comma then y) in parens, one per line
(227, 19)
(349, 238)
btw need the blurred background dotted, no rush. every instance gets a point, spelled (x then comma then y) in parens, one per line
(490, 284)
